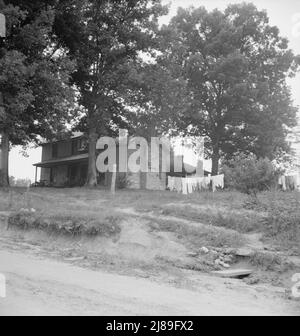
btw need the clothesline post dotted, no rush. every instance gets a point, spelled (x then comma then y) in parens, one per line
(113, 180)
(27, 197)
(200, 159)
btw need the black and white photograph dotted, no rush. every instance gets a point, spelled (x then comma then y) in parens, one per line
(149, 161)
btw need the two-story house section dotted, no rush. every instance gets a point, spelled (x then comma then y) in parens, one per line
(65, 162)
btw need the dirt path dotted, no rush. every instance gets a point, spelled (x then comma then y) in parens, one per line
(38, 286)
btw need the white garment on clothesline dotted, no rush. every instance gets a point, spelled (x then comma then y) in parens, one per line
(217, 182)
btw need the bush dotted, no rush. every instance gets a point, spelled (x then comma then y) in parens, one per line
(248, 174)
(122, 181)
(270, 262)
(65, 225)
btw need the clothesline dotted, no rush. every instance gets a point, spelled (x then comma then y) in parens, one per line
(188, 185)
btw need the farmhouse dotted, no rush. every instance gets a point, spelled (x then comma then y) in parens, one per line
(65, 164)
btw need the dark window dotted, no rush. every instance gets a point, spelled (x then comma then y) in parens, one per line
(51, 175)
(79, 146)
(82, 146)
(73, 173)
(83, 172)
(74, 147)
(54, 151)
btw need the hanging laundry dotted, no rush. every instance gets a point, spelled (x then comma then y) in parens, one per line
(199, 182)
(206, 182)
(217, 182)
(184, 186)
(190, 185)
(178, 184)
(171, 183)
(291, 182)
(282, 182)
(195, 184)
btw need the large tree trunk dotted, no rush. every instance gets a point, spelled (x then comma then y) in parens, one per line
(4, 178)
(92, 171)
(215, 160)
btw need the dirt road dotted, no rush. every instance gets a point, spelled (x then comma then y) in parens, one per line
(38, 286)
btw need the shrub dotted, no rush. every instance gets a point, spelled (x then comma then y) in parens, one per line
(248, 174)
(270, 262)
(66, 225)
(122, 181)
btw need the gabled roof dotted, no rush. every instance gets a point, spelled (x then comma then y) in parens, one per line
(74, 135)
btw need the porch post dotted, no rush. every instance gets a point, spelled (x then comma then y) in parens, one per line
(36, 171)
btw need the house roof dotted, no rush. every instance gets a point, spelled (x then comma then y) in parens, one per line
(62, 161)
(73, 136)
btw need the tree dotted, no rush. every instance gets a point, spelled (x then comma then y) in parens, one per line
(103, 37)
(34, 79)
(236, 66)
(155, 98)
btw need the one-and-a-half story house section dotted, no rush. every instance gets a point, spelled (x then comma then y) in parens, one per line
(65, 164)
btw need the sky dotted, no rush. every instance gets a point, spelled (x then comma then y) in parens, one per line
(283, 13)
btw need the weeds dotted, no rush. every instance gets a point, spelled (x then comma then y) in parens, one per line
(281, 224)
(270, 262)
(65, 225)
(198, 237)
(240, 221)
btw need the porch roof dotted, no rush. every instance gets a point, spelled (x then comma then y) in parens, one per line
(62, 161)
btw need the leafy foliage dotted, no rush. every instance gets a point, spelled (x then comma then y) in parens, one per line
(35, 79)
(156, 99)
(248, 174)
(235, 64)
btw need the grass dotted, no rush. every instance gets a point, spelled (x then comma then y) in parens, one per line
(275, 214)
(197, 237)
(220, 216)
(157, 234)
(282, 225)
